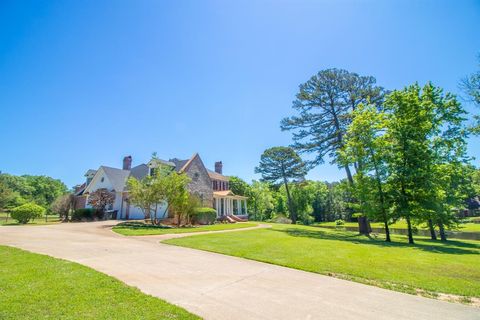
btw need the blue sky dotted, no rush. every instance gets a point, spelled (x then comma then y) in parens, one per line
(84, 83)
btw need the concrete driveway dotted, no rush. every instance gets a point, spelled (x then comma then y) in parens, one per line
(215, 286)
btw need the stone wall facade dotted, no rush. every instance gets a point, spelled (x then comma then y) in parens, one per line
(201, 184)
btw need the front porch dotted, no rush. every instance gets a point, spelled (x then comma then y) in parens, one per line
(227, 203)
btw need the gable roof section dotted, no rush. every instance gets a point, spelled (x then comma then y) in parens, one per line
(90, 172)
(79, 189)
(189, 162)
(117, 177)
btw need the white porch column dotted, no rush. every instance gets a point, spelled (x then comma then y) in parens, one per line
(239, 206)
(246, 212)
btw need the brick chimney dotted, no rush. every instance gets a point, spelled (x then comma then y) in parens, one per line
(218, 167)
(127, 163)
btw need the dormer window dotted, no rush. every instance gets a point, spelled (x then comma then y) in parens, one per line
(103, 179)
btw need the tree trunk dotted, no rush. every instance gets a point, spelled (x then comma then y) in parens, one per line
(364, 226)
(410, 233)
(441, 228)
(431, 227)
(349, 175)
(293, 214)
(387, 231)
(382, 196)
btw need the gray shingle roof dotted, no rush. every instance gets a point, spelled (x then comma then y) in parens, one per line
(118, 177)
(90, 172)
(139, 172)
(178, 163)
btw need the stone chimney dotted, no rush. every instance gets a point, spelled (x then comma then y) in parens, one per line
(127, 163)
(218, 167)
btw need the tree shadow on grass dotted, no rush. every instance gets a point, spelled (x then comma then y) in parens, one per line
(450, 247)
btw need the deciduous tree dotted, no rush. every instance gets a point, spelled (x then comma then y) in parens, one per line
(365, 143)
(63, 205)
(100, 199)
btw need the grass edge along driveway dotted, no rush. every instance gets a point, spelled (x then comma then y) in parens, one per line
(441, 270)
(149, 230)
(35, 286)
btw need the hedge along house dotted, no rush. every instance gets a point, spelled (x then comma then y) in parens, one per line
(211, 187)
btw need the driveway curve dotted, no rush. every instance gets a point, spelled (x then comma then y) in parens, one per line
(216, 286)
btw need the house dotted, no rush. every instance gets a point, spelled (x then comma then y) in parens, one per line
(211, 187)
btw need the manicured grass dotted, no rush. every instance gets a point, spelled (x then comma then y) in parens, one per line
(452, 267)
(51, 219)
(463, 227)
(144, 230)
(34, 286)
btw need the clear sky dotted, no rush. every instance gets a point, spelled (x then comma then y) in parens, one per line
(84, 83)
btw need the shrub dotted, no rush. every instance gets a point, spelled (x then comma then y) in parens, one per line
(24, 213)
(307, 219)
(339, 222)
(280, 218)
(84, 213)
(141, 225)
(204, 215)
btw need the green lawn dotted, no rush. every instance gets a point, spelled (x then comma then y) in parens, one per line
(463, 227)
(452, 267)
(12, 222)
(34, 286)
(144, 230)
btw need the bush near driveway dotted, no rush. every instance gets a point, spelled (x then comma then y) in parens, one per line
(26, 212)
(86, 214)
(143, 229)
(204, 215)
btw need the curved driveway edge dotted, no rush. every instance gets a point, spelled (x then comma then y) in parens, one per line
(161, 237)
(216, 286)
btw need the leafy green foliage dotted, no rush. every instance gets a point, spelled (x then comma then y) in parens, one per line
(261, 201)
(239, 187)
(425, 131)
(204, 215)
(7, 195)
(366, 144)
(323, 105)
(63, 205)
(42, 190)
(282, 165)
(84, 214)
(164, 186)
(26, 212)
(130, 229)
